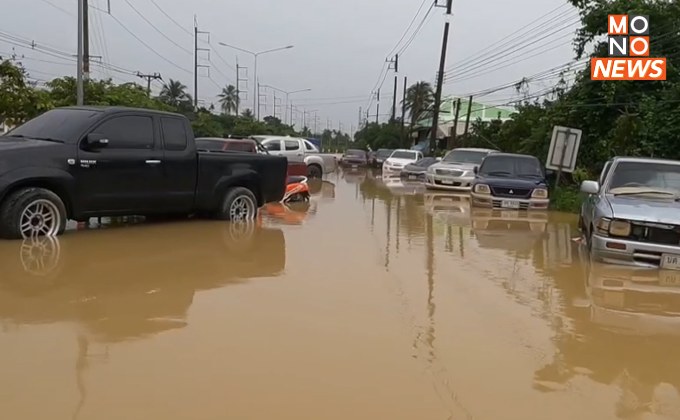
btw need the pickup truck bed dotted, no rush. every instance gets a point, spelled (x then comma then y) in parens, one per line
(82, 162)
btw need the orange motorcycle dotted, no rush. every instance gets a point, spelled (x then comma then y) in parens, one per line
(297, 190)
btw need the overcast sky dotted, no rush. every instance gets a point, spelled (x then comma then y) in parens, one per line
(339, 46)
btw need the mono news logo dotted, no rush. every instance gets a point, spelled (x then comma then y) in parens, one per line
(628, 47)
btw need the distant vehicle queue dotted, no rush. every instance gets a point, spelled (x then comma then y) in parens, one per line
(493, 179)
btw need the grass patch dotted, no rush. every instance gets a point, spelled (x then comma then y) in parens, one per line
(566, 199)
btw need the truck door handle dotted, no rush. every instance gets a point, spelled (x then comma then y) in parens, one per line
(153, 161)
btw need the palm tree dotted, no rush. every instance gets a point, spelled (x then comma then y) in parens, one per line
(174, 93)
(419, 99)
(229, 99)
(248, 113)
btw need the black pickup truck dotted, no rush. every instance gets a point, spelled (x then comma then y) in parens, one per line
(82, 162)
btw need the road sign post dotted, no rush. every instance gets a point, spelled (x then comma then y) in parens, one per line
(564, 147)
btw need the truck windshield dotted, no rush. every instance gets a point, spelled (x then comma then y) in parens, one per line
(465, 156)
(65, 124)
(511, 166)
(351, 152)
(645, 175)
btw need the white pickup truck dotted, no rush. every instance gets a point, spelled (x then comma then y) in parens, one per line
(298, 150)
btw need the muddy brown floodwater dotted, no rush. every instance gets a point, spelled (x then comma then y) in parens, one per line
(378, 300)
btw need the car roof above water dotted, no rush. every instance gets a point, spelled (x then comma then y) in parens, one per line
(644, 160)
(475, 149)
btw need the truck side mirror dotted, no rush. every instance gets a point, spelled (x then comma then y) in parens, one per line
(476, 170)
(590, 187)
(96, 141)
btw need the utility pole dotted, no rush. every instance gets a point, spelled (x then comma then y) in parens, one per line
(238, 84)
(454, 134)
(196, 65)
(377, 108)
(360, 115)
(403, 112)
(469, 112)
(395, 62)
(80, 93)
(149, 78)
(440, 79)
(86, 41)
(274, 105)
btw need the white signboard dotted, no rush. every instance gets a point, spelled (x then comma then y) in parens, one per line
(564, 148)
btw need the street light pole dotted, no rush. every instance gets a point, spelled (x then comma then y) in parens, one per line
(256, 93)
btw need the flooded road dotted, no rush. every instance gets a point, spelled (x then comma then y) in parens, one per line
(377, 300)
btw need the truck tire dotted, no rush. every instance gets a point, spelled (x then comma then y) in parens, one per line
(239, 205)
(314, 171)
(32, 212)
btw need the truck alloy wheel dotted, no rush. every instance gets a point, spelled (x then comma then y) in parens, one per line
(32, 212)
(239, 205)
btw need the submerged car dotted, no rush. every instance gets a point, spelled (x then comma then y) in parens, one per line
(416, 171)
(380, 156)
(400, 158)
(632, 213)
(354, 158)
(456, 169)
(510, 181)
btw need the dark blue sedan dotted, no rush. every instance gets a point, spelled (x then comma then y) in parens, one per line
(510, 181)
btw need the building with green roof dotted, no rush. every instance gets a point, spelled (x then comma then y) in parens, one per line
(447, 116)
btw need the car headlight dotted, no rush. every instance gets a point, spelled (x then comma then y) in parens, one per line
(602, 226)
(540, 193)
(620, 228)
(482, 189)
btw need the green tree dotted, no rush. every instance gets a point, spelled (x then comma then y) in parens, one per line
(174, 93)
(248, 113)
(419, 99)
(18, 100)
(229, 100)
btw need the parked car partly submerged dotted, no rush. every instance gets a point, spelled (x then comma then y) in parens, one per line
(510, 181)
(400, 158)
(354, 158)
(456, 170)
(632, 213)
(417, 170)
(380, 156)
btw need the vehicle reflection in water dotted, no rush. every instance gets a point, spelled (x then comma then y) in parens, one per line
(354, 175)
(624, 335)
(130, 283)
(400, 187)
(288, 214)
(509, 230)
(449, 208)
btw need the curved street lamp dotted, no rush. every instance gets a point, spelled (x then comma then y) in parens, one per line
(256, 108)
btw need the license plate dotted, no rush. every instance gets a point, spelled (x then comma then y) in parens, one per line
(355, 166)
(412, 177)
(510, 204)
(445, 182)
(670, 261)
(669, 278)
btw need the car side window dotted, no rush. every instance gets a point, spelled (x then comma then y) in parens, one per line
(309, 146)
(273, 145)
(292, 145)
(174, 134)
(127, 132)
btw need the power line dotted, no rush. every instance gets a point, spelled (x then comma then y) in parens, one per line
(156, 29)
(417, 31)
(188, 32)
(161, 56)
(536, 38)
(408, 28)
(506, 40)
(58, 8)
